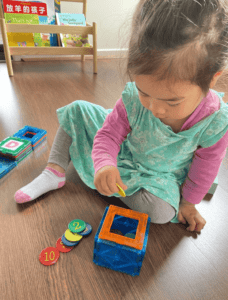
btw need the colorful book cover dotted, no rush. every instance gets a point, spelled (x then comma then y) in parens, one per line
(15, 7)
(27, 39)
(57, 6)
(72, 40)
(45, 40)
(51, 7)
(21, 39)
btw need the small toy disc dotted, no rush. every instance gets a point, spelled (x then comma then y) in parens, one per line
(87, 231)
(61, 247)
(121, 191)
(72, 237)
(67, 243)
(77, 226)
(49, 256)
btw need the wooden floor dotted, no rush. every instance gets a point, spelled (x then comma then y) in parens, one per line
(177, 264)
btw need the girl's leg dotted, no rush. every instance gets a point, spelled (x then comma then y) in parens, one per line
(53, 177)
(158, 210)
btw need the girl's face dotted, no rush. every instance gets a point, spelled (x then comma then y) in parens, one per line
(155, 96)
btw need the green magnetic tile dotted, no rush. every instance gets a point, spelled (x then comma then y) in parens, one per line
(18, 161)
(13, 145)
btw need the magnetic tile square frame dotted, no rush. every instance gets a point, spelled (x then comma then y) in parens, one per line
(13, 145)
(136, 243)
(33, 134)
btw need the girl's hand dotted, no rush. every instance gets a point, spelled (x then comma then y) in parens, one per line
(188, 212)
(105, 180)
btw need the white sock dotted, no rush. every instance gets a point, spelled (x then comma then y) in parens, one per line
(48, 180)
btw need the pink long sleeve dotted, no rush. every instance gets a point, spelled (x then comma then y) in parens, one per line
(108, 139)
(206, 161)
(203, 170)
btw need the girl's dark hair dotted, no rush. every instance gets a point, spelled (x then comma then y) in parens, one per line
(179, 40)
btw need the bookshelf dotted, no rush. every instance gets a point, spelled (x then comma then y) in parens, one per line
(57, 29)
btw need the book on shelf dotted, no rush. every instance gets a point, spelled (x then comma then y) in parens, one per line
(25, 7)
(72, 40)
(53, 6)
(16, 39)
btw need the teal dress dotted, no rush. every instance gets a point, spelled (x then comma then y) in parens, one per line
(152, 156)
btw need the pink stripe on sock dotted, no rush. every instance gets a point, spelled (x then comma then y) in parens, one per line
(61, 184)
(55, 172)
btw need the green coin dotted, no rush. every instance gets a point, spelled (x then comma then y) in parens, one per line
(77, 226)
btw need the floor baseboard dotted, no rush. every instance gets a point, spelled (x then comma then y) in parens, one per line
(101, 54)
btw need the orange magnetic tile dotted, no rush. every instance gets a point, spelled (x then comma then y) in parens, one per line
(29, 132)
(136, 243)
(40, 140)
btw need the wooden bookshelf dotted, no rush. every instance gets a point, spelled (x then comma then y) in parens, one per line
(57, 29)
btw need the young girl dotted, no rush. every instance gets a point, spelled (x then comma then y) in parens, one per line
(166, 137)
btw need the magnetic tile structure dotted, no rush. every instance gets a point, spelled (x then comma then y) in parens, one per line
(15, 148)
(35, 135)
(121, 240)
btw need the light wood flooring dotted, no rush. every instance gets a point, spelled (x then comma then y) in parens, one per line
(178, 265)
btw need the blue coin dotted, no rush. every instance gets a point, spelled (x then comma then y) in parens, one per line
(67, 243)
(87, 230)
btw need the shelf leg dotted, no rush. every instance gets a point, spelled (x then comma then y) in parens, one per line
(94, 48)
(6, 47)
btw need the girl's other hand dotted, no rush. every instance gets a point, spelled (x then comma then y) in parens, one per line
(105, 180)
(188, 212)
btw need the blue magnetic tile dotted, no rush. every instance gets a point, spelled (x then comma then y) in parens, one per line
(30, 133)
(118, 257)
(40, 143)
(22, 157)
(6, 165)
